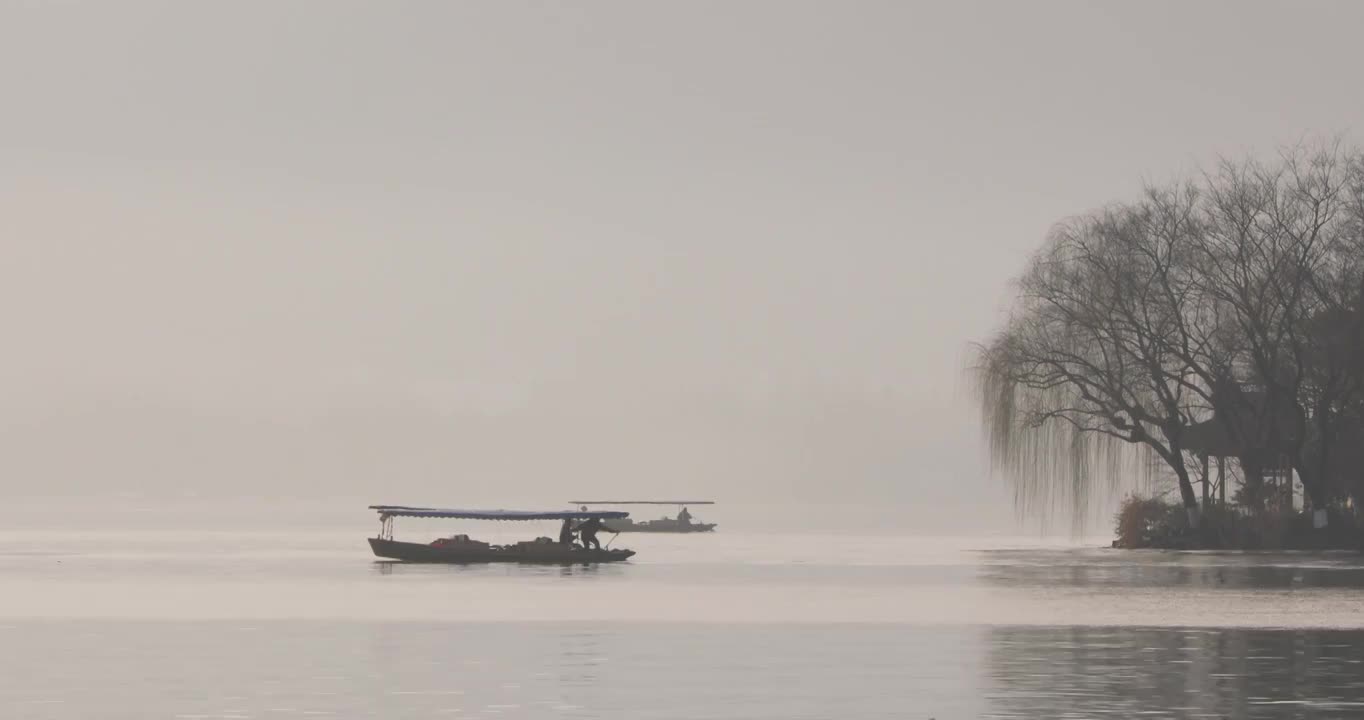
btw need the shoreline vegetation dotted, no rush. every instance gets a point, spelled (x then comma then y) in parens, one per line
(1205, 339)
(1152, 523)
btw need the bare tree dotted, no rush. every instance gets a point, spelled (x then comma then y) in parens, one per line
(1240, 297)
(1334, 388)
(1274, 255)
(1101, 354)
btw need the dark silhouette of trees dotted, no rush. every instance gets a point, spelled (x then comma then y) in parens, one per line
(1275, 254)
(1230, 308)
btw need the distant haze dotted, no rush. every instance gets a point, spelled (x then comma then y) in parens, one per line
(424, 251)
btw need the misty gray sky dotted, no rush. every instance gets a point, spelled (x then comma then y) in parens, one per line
(428, 250)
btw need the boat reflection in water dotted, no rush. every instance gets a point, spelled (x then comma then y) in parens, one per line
(463, 549)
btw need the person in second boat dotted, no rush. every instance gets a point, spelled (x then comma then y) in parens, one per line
(684, 517)
(587, 533)
(566, 533)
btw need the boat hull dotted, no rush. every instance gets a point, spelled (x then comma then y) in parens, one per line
(541, 554)
(658, 526)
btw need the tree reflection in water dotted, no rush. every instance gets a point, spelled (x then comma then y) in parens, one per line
(1137, 569)
(1063, 672)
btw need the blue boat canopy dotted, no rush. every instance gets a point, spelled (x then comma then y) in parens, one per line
(424, 512)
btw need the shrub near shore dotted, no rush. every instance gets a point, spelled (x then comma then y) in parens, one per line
(1156, 523)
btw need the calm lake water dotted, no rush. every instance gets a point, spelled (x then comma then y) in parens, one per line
(133, 619)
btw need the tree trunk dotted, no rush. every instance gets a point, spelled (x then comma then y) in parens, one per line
(1186, 492)
(1207, 487)
(1253, 481)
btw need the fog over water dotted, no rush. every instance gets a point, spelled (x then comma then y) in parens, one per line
(447, 250)
(293, 620)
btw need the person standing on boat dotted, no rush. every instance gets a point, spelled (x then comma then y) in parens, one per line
(566, 532)
(587, 533)
(684, 517)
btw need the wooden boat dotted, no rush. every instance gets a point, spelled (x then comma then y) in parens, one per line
(661, 525)
(462, 549)
(680, 524)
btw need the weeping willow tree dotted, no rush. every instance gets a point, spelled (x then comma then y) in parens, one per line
(1106, 360)
(1240, 298)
